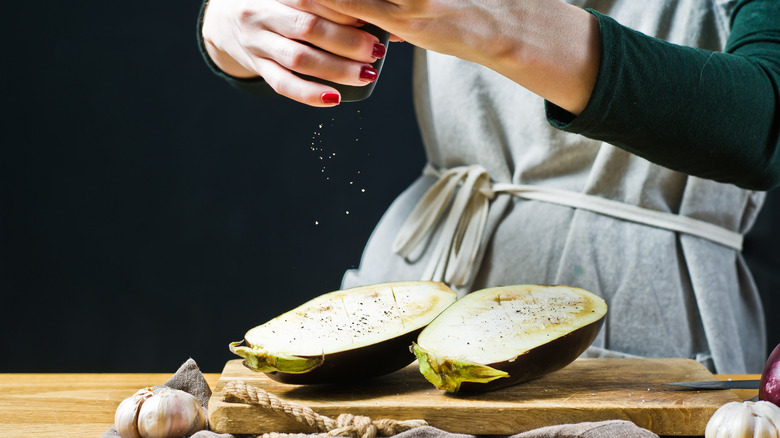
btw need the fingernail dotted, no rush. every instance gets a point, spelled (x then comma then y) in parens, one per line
(330, 98)
(368, 73)
(379, 50)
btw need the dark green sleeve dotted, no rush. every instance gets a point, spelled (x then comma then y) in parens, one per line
(714, 115)
(256, 86)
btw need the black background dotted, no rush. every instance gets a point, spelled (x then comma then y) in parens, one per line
(151, 213)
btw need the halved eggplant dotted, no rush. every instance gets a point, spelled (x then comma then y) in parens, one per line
(345, 335)
(501, 336)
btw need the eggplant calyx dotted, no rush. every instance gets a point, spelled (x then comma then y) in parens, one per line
(260, 360)
(448, 374)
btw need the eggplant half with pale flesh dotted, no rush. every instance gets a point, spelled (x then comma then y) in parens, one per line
(345, 335)
(501, 336)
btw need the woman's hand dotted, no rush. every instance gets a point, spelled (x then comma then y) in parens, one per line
(274, 38)
(548, 46)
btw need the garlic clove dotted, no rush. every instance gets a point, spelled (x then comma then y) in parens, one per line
(770, 414)
(720, 425)
(713, 426)
(170, 413)
(769, 411)
(763, 427)
(744, 419)
(126, 415)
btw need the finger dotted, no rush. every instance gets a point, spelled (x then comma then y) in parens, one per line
(291, 86)
(310, 61)
(322, 11)
(342, 40)
(372, 11)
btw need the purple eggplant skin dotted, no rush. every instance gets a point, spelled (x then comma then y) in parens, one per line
(540, 361)
(359, 364)
(769, 386)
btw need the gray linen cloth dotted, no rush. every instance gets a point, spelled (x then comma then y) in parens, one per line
(189, 378)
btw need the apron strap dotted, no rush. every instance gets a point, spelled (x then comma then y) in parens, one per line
(462, 197)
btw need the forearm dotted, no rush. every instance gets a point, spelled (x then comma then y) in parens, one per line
(709, 114)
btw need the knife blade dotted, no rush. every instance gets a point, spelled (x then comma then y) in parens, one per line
(718, 384)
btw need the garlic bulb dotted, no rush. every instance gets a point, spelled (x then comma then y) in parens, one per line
(160, 413)
(745, 420)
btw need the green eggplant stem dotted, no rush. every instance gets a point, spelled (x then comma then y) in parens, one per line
(260, 360)
(448, 374)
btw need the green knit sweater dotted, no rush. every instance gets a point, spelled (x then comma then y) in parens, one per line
(709, 114)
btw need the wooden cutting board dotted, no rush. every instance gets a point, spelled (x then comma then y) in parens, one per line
(586, 390)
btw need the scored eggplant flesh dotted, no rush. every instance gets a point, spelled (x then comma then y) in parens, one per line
(505, 335)
(343, 335)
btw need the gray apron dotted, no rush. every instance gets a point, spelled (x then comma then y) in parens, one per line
(671, 292)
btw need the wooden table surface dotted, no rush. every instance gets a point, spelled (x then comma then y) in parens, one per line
(83, 405)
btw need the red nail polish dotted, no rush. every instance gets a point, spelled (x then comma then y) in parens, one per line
(368, 74)
(330, 98)
(379, 50)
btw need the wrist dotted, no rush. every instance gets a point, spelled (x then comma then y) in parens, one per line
(555, 54)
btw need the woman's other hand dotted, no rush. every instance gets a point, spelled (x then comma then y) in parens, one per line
(275, 38)
(547, 46)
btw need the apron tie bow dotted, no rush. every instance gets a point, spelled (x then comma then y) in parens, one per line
(462, 198)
